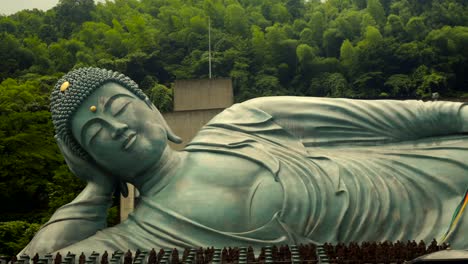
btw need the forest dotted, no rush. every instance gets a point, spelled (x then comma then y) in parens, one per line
(374, 49)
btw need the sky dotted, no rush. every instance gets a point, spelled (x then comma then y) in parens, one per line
(8, 7)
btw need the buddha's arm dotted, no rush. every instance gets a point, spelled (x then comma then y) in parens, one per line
(73, 222)
(322, 121)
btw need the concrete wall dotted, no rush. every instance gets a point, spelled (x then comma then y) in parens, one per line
(195, 103)
(186, 124)
(202, 94)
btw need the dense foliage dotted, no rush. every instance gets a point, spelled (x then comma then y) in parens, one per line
(338, 48)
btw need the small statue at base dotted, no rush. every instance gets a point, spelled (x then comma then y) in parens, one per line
(268, 171)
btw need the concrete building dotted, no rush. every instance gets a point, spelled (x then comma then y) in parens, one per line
(195, 103)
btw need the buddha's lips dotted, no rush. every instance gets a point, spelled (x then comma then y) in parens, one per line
(129, 141)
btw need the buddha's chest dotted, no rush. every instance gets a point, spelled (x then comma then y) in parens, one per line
(223, 192)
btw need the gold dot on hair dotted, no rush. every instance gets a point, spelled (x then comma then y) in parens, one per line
(93, 108)
(64, 86)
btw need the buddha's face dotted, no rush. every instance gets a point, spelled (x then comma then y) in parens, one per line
(119, 130)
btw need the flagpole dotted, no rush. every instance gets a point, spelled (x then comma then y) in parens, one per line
(209, 45)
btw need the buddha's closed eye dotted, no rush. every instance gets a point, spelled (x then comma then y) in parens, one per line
(120, 107)
(93, 131)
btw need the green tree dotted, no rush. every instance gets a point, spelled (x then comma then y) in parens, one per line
(360, 4)
(416, 28)
(15, 235)
(369, 85)
(348, 56)
(399, 85)
(349, 23)
(235, 20)
(13, 56)
(279, 13)
(376, 10)
(447, 13)
(267, 85)
(72, 13)
(305, 55)
(332, 39)
(394, 26)
(215, 10)
(295, 8)
(402, 8)
(330, 85)
(8, 25)
(317, 25)
(433, 82)
(325, 64)
(341, 5)
(161, 96)
(372, 39)
(261, 55)
(367, 21)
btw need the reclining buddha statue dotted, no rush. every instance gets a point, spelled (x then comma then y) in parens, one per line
(268, 171)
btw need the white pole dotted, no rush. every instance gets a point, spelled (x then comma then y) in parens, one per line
(209, 45)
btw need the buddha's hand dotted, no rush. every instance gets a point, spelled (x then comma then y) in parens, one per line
(102, 182)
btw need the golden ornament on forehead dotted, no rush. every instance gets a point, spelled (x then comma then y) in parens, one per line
(64, 86)
(93, 108)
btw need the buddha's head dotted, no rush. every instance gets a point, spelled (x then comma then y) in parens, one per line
(103, 117)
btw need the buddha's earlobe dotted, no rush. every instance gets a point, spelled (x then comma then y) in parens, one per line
(123, 189)
(173, 137)
(170, 134)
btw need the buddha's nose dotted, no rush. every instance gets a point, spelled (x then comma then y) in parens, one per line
(119, 129)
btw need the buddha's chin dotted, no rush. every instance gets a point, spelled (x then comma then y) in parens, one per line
(146, 158)
(138, 158)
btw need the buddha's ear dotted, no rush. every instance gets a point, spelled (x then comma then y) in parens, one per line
(123, 189)
(170, 134)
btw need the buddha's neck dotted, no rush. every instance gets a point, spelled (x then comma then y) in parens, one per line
(158, 176)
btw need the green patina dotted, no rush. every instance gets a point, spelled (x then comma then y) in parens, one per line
(83, 82)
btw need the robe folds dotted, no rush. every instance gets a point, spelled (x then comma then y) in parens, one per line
(354, 170)
(350, 170)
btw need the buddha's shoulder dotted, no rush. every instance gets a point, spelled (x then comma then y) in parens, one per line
(241, 113)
